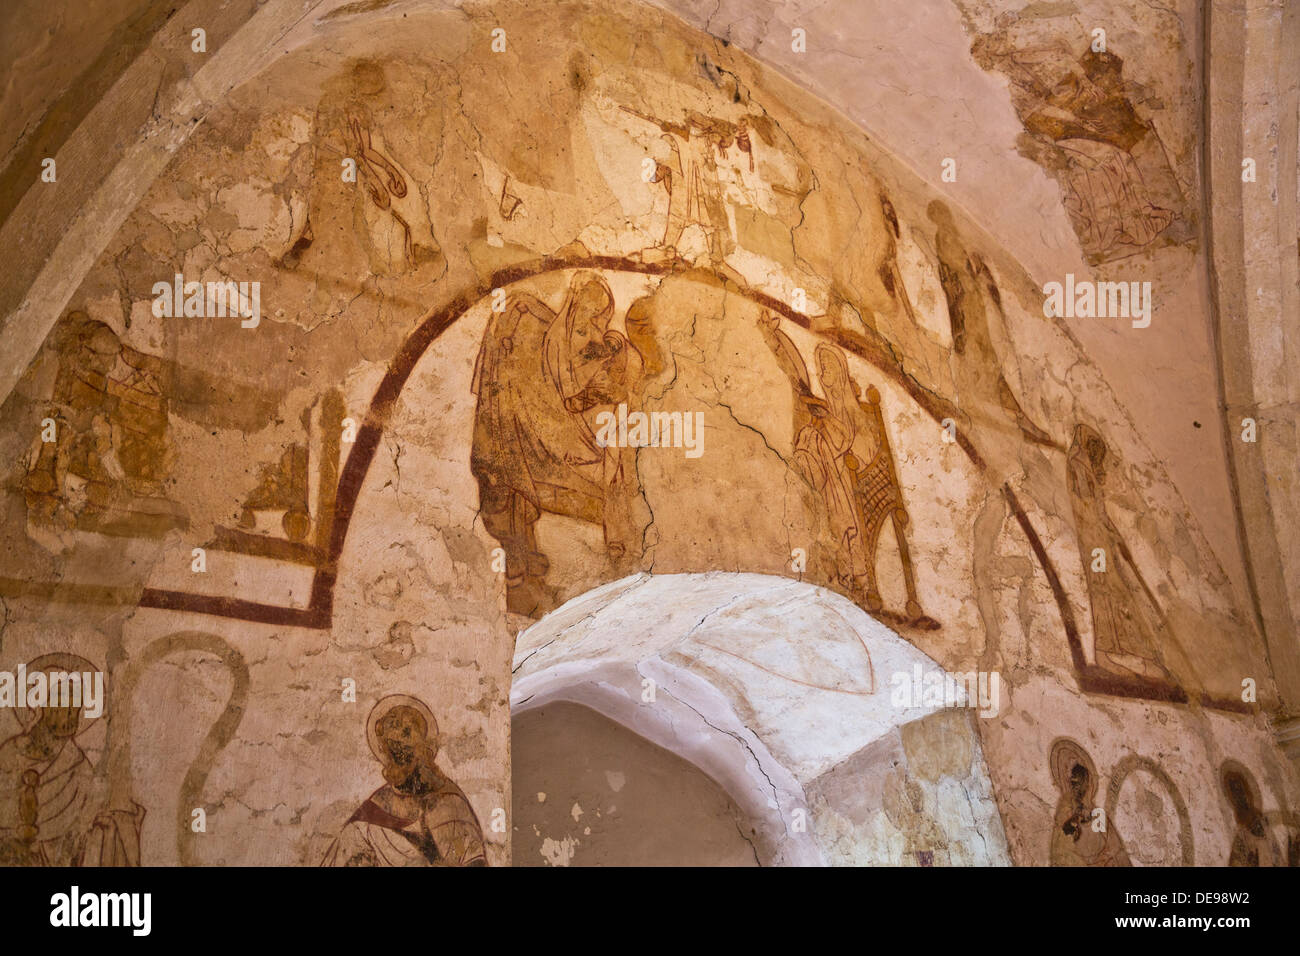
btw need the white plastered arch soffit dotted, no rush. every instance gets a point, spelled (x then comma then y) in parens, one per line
(763, 683)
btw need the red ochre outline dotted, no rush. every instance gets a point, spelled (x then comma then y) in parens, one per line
(874, 350)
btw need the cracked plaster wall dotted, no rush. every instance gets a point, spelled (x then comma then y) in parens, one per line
(190, 432)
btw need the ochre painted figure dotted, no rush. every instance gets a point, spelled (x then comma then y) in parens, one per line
(1125, 616)
(842, 450)
(52, 812)
(1079, 838)
(1252, 843)
(419, 817)
(540, 380)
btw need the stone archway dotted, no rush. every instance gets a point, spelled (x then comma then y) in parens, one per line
(789, 697)
(588, 791)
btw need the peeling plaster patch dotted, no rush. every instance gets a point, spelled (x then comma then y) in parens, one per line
(559, 852)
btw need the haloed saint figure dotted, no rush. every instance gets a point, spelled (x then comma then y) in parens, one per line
(419, 817)
(54, 808)
(1079, 838)
(1253, 842)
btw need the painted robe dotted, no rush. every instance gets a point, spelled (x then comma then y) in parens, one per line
(437, 828)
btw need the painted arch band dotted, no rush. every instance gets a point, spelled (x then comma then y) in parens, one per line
(318, 613)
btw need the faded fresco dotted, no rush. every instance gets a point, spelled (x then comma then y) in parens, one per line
(1090, 122)
(648, 309)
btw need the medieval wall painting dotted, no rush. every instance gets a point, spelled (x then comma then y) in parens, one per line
(80, 782)
(54, 811)
(1140, 799)
(410, 458)
(107, 472)
(419, 816)
(1092, 125)
(541, 379)
(1144, 800)
(1124, 612)
(1075, 840)
(1260, 838)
